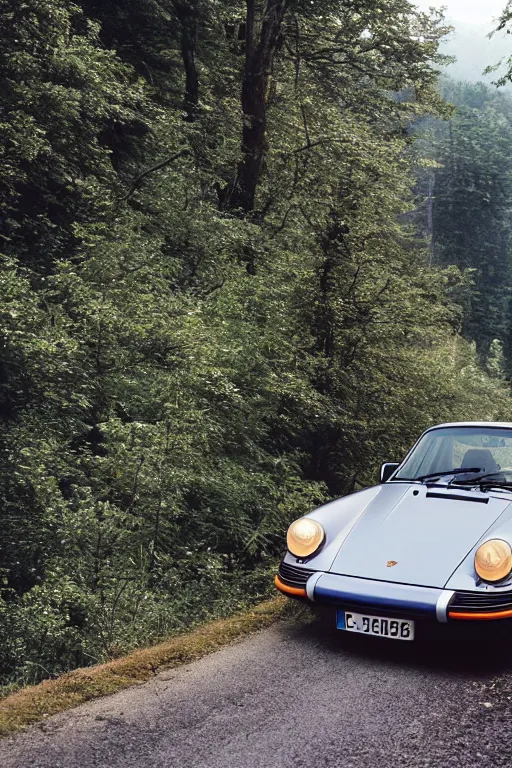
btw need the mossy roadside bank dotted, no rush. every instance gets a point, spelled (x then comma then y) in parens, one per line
(36, 703)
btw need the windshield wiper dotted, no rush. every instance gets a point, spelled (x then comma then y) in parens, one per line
(483, 481)
(459, 471)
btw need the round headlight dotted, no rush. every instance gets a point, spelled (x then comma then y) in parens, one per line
(304, 537)
(493, 560)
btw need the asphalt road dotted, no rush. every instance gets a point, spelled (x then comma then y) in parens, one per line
(294, 696)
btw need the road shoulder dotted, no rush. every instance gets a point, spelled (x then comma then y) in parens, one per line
(36, 703)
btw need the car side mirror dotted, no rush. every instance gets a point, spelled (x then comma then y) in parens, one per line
(387, 470)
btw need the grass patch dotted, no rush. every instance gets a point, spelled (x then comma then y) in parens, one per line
(21, 709)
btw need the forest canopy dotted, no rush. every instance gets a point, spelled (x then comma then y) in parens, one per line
(222, 299)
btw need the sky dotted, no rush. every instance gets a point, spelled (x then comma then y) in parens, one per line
(475, 11)
(473, 20)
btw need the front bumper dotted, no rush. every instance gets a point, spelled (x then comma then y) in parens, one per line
(367, 595)
(385, 598)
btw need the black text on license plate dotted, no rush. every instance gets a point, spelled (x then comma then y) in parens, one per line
(379, 626)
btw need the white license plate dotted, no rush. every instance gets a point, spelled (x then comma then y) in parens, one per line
(379, 626)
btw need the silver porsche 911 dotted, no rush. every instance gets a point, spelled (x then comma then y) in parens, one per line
(432, 543)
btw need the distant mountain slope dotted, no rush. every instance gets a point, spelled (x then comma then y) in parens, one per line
(475, 51)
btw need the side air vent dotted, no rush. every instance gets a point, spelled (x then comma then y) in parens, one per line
(481, 602)
(456, 497)
(294, 576)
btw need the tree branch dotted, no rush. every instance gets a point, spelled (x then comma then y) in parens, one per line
(152, 169)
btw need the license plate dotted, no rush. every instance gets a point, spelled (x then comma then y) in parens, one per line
(379, 626)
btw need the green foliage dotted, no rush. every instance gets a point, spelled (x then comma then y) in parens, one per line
(472, 196)
(503, 24)
(67, 109)
(179, 380)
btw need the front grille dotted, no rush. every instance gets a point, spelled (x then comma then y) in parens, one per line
(481, 602)
(295, 577)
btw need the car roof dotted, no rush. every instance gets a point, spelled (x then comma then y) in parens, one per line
(497, 424)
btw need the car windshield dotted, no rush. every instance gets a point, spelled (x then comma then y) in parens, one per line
(443, 450)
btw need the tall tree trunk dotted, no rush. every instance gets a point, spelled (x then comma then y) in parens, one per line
(187, 14)
(261, 40)
(430, 216)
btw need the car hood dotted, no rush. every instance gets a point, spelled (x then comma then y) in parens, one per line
(416, 537)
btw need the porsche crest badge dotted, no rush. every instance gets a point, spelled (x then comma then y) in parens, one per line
(391, 563)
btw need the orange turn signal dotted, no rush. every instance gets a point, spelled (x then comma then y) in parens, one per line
(480, 616)
(285, 589)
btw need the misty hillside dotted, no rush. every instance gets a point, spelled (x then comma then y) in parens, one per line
(474, 51)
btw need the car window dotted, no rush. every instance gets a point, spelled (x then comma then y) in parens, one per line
(501, 450)
(486, 448)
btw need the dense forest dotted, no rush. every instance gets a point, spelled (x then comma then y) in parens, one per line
(466, 194)
(248, 252)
